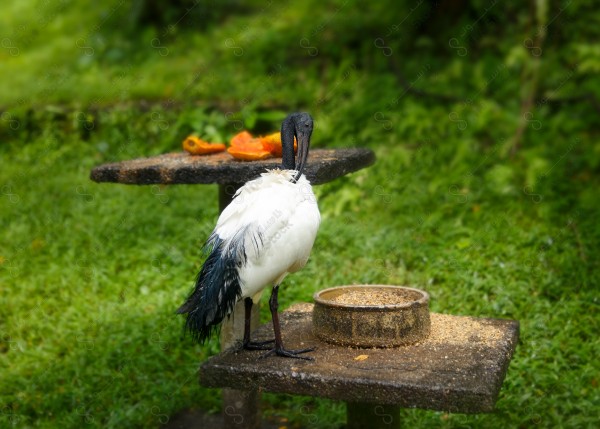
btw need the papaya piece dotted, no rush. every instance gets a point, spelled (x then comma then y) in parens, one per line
(241, 138)
(196, 146)
(248, 154)
(272, 143)
(247, 148)
(252, 145)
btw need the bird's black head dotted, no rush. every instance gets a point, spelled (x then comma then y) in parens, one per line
(299, 125)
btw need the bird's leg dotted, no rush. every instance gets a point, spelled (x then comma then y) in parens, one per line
(246, 343)
(279, 350)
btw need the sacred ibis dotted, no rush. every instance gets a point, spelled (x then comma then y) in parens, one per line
(265, 233)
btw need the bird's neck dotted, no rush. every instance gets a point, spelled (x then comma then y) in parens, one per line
(288, 161)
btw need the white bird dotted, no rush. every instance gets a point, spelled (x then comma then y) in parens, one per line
(265, 233)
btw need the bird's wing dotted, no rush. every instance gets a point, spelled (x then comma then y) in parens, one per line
(268, 210)
(260, 209)
(285, 245)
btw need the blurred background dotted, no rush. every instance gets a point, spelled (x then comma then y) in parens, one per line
(484, 119)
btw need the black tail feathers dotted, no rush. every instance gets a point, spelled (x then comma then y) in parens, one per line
(217, 288)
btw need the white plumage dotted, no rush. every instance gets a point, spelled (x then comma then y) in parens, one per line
(265, 233)
(280, 220)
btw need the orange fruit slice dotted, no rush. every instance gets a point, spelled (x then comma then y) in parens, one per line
(246, 154)
(197, 146)
(272, 143)
(241, 138)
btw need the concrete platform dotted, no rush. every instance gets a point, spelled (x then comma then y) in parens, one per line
(459, 368)
(324, 165)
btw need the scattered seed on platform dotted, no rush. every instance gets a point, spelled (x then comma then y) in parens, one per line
(374, 296)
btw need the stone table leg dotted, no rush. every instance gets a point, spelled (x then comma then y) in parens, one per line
(372, 416)
(241, 408)
(226, 193)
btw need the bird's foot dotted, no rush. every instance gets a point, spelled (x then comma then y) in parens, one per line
(258, 345)
(280, 351)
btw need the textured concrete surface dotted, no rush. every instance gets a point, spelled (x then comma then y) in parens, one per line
(323, 166)
(456, 369)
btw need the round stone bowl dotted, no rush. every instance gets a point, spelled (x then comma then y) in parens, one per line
(371, 315)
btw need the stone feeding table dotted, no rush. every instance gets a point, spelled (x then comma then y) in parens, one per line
(324, 165)
(459, 368)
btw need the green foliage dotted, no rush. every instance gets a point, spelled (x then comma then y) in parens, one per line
(484, 192)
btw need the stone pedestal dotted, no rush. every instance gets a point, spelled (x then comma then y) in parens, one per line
(459, 368)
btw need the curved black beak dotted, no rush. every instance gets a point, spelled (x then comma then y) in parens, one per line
(303, 145)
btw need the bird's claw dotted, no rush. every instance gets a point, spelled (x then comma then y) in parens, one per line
(257, 345)
(289, 353)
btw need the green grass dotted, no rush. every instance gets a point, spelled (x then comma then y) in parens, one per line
(91, 273)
